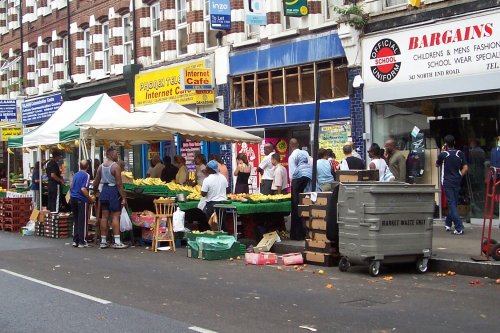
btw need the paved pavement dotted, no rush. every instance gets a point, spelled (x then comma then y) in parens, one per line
(168, 292)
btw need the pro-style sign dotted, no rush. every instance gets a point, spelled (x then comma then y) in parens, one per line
(8, 110)
(256, 12)
(220, 14)
(197, 79)
(446, 57)
(296, 8)
(10, 131)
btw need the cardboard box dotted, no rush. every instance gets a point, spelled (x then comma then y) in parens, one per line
(316, 224)
(293, 259)
(34, 215)
(347, 176)
(322, 198)
(304, 210)
(319, 235)
(266, 242)
(262, 258)
(322, 246)
(318, 211)
(321, 259)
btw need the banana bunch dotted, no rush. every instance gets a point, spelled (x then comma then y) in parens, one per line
(128, 174)
(148, 181)
(10, 151)
(194, 196)
(177, 187)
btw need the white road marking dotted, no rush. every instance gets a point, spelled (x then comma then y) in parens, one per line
(66, 290)
(200, 329)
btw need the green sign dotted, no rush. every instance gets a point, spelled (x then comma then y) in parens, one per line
(296, 8)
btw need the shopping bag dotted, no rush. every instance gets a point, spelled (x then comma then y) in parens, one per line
(178, 220)
(125, 223)
(213, 223)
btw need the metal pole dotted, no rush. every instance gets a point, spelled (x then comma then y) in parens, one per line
(40, 187)
(8, 170)
(315, 143)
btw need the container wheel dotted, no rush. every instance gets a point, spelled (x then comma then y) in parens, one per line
(374, 268)
(495, 252)
(422, 265)
(344, 264)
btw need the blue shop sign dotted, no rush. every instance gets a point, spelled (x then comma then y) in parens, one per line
(8, 111)
(38, 110)
(220, 14)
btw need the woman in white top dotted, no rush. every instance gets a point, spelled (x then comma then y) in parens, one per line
(377, 162)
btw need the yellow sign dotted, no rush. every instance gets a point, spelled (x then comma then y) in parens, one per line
(165, 86)
(197, 79)
(10, 131)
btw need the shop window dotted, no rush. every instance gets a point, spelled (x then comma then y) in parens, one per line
(127, 41)
(292, 85)
(155, 32)
(340, 82)
(87, 53)
(263, 87)
(236, 93)
(307, 83)
(326, 83)
(106, 61)
(277, 87)
(249, 91)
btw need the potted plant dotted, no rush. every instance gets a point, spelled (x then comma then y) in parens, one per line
(353, 15)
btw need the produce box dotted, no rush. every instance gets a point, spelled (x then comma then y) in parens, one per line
(262, 258)
(192, 236)
(267, 242)
(318, 211)
(304, 211)
(321, 198)
(322, 246)
(293, 259)
(347, 176)
(316, 224)
(321, 259)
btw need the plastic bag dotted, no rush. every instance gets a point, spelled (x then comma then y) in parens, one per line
(178, 220)
(30, 226)
(125, 223)
(388, 176)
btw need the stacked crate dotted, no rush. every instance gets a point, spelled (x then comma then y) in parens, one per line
(58, 225)
(15, 213)
(319, 249)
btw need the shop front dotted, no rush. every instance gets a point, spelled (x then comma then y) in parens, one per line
(438, 78)
(273, 87)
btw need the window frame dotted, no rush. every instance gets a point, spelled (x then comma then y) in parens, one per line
(66, 57)
(207, 31)
(106, 49)
(181, 25)
(403, 3)
(37, 69)
(155, 30)
(87, 52)
(127, 42)
(50, 61)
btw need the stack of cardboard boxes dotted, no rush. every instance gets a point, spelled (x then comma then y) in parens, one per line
(59, 225)
(319, 249)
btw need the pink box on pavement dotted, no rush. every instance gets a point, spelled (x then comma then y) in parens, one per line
(293, 259)
(262, 258)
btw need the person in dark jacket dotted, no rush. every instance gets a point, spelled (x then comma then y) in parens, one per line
(169, 171)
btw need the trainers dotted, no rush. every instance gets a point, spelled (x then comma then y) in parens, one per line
(103, 245)
(84, 245)
(74, 244)
(456, 232)
(446, 228)
(120, 246)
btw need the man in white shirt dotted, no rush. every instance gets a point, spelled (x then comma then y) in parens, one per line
(214, 187)
(280, 181)
(266, 169)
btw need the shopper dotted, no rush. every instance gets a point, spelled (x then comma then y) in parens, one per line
(353, 149)
(332, 158)
(35, 185)
(293, 144)
(182, 174)
(169, 171)
(55, 181)
(495, 154)
(214, 187)
(222, 167)
(377, 162)
(301, 182)
(266, 169)
(80, 198)
(454, 168)
(156, 167)
(242, 173)
(111, 199)
(396, 160)
(201, 166)
(280, 180)
(351, 162)
(324, 169)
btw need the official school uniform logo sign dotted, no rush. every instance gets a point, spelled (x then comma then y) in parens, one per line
(384, 60)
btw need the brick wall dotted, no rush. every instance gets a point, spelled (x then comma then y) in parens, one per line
(357, 115)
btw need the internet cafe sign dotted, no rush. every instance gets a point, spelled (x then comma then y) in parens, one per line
(165, 85)
(447, 50)
(197, 79)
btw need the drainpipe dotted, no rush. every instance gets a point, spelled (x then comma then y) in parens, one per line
(134, 42)
(70, 60)
(21, 65)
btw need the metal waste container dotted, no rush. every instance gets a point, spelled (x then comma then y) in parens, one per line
(389, 222)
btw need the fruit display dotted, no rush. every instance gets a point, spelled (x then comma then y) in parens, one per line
(258, 197)
(128, 174)
(148, 181)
